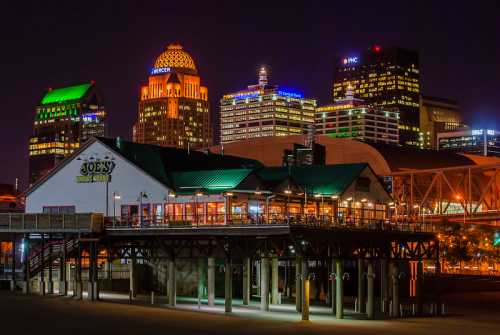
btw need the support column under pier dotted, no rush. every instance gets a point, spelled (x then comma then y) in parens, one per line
(274, 280)
(395, 290)
(339, 295)
(41, 286)
(333, 282)
(132, 274)
(50, 283)
(63, 282)
(171, 282)
(305, 291)
(13, 267)
(211, 281)
(384, 284)
(228, 286)
(361, 307)
(298, 284)
(247, 285)
(78, 287)
(264, 284)
(93, 289)
(26, 269)
(419, 288)
(370, 277)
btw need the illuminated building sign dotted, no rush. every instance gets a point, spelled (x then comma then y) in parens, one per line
(291, 94)
(89, 118)
(243, 95)
(97, 171)
(477, 132)
(161, 70)
(350, 60)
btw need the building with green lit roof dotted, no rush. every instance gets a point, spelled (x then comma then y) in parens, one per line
(65, 117)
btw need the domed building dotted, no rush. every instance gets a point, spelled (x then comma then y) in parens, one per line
(173, 107)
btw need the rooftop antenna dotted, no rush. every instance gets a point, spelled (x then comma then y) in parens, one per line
(263, 77)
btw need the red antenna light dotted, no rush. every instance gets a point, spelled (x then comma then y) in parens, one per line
(377, 48)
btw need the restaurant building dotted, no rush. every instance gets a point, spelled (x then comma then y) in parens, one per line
(150, 185)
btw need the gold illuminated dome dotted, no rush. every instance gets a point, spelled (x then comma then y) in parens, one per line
(175, 58)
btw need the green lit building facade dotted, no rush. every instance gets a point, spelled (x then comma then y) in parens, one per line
(65, 118)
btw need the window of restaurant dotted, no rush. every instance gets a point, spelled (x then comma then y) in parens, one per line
(215, 213)
(189, 212)
(158, 213)
(239, 211)
(200, 213)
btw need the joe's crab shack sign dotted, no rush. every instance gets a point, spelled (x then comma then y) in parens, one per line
(96, 171)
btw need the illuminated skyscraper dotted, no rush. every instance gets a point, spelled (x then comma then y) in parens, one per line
(65, 118)
(388, 79)
(438, 115)
(351, 117)
(173, 107)
(264, 110)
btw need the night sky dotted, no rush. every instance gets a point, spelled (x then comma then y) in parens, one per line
(116, 42)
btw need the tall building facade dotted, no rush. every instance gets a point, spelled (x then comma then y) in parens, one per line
(438, 115)
(484, 142)
(173, 107)
(65, 118)
(351, 117)
(264, 110)
(387, 78)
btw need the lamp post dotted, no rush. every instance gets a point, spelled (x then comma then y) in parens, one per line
(145, 196)
(116, 196)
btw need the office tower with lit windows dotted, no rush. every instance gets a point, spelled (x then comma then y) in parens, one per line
(484, 142)
(263, 110)
(387, 78)
(438, 115)
(173, 106)
(351, 117)
(65, 118)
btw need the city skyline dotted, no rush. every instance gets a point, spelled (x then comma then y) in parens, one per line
(118, 60)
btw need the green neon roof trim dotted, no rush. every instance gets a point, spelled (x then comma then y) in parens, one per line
(63, 94)
(209, 181)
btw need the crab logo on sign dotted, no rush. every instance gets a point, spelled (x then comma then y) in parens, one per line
(98, 171)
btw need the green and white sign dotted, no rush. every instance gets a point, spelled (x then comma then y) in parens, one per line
(96, 171)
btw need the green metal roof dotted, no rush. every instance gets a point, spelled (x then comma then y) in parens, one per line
(326, 180)
(63, 94)
(211, 181)
(165, 164)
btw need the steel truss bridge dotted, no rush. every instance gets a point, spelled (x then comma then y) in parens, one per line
(465, 194)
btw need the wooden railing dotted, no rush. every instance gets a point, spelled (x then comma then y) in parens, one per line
(21, 222)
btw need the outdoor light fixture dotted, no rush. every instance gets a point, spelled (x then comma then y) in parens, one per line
(288, 191)
(117, 196)
(349, 199)
(199, 194)
(391, 203)
(317, 195)
(364, 200)
(229, 194)
(335, 197)
(171, 195)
